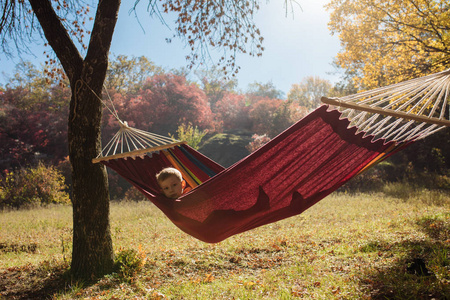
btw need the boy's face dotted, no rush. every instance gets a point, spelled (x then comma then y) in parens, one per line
(172, 187)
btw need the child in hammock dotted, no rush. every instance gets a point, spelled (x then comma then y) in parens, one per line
(172, 183)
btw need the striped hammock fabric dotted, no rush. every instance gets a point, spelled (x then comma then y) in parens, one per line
(283, 178)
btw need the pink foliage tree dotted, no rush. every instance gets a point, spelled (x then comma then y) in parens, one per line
(33, 126)
(232, 112)
(163, 103)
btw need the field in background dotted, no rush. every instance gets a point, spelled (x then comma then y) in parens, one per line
(346, 247)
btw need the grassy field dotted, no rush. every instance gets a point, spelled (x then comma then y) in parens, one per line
(364, 246)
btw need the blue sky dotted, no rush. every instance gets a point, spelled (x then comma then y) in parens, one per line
(296, 46)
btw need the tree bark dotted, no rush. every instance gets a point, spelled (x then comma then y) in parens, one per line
(92, 254)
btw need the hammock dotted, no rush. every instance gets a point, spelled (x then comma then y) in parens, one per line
(292, 172)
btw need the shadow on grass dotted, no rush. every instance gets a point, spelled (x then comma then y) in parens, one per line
(34, 282)
(422, 272)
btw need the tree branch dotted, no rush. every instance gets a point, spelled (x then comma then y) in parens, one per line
(97, 55)
(58, 38)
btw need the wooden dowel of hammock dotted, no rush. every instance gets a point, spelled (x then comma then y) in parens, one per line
(379, 110)
(137, 152)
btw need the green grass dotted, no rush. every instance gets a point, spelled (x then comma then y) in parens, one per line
(345, 247)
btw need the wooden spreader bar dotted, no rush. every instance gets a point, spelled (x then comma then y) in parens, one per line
(388, 112)
(137, 152)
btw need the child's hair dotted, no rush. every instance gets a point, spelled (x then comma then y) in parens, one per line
(167, 172)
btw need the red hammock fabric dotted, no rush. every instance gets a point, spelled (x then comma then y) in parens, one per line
(292, 172)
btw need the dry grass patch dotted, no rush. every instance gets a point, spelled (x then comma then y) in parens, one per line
(345, 247)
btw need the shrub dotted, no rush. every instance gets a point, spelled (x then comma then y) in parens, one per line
(129, 262)
(35, 186)
(401, 190)
(133, 194)
(192, 135)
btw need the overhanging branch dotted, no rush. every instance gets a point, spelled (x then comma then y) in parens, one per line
(58, 38)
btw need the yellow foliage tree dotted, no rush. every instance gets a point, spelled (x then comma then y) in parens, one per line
(386, 42)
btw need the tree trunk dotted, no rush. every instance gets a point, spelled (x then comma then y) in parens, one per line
(92, 254)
